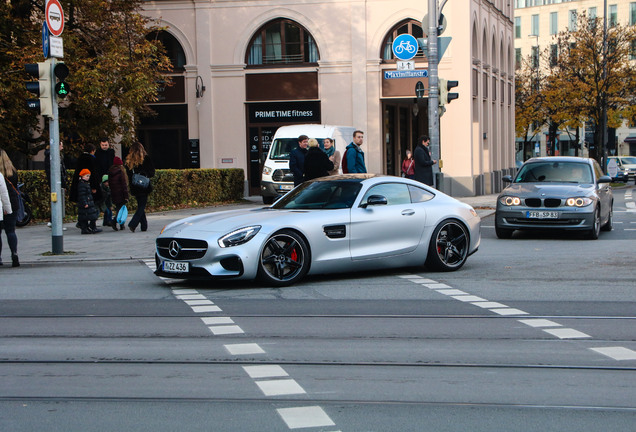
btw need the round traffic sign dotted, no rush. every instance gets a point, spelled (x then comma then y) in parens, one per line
(54, 17)
(405, 47)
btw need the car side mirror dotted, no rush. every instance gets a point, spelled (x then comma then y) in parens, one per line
(604, 179)
(375, 200)
(506, 179)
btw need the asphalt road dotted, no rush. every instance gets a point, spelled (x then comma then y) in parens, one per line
(534, 333)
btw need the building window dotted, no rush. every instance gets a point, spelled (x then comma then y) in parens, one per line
(612, 15)
(517, 27)
(632, 50)
(535, 25)
(632, 14)
(572, 17)
(174, 51)
(535, 57)
(591, 12)
(554, 23)
(412, 27)
(517, 58)
(282, 42)
(554, 55)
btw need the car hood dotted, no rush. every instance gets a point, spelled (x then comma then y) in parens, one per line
(224, 221)
(553, 190)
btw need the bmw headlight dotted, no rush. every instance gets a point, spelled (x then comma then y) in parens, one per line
(510, 200)
(578, 202)
(267, 170)
(239, 236)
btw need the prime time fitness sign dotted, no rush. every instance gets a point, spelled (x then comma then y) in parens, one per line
(284, 112)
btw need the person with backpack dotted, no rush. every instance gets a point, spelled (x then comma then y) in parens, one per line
(353, 160)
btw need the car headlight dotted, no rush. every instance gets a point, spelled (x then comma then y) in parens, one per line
(510, 200)
(239, 236)
(267, 170)
(578, 202)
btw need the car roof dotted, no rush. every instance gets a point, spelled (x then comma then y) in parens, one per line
(560, 159)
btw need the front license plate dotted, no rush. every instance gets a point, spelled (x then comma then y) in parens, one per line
(176, 267)
(285, 187)
(542, 215)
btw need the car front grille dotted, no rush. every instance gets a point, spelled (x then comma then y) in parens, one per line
(545, 202)
(181, 249)
(544, 222)
(282, 175)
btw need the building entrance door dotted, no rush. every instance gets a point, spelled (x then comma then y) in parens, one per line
(260, 138)
(404, 121)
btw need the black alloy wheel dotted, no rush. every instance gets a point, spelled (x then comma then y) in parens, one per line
(449, 246)
(284, 259)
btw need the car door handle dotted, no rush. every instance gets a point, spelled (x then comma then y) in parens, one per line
(408, 212)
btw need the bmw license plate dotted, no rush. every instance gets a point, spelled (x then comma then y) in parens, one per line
(542, 215)
(285, 187)
(176, 267)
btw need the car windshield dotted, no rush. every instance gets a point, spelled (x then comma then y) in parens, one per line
(629, 160)
(557, 172)
(282, 147)
(321, 195)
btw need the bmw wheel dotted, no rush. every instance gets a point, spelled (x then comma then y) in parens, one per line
(596, 226)
(449, 245)
(284, 259)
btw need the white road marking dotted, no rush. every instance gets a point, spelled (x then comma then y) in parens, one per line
(305, 417)
(184, 291)
(201, 309)
(198, 302)
(191, 297)
(226, 329)
(266, 371)
(244, 349)
(435, 285)
(566, 333)
(280, 387)
(217, 320)
(410, 276)
(450, 292)
(617, 353)
(468, 298)
(489, 305)
(509, 311)
(540, 323)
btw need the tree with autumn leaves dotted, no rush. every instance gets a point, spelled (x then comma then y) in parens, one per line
(577, 80)
(116, 68)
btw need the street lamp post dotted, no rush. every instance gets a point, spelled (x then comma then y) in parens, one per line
(604, 95)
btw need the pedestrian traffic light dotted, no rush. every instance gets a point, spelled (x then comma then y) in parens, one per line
(41, 88)
(62, 89)
(444, 96)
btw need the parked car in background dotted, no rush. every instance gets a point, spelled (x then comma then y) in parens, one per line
(626, 164)
(558, 192)
(328, 225)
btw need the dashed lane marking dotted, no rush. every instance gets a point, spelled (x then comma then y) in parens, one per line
(244, 349)
(265, 371)
(305, 417)
(617, 353)
(280, 387)
(566, 333)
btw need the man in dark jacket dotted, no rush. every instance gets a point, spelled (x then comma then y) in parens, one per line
(354, 155)
(297, 159)
(423, 161)
(104, 156)
(87, 160)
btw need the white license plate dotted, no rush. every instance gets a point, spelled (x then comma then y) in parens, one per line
(285, 187)
(176, 267)
(542, 215)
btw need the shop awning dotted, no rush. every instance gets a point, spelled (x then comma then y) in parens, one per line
(631, 138)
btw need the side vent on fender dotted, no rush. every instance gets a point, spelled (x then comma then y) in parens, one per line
(335, 231)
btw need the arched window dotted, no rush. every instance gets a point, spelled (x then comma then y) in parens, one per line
(412, 27)
(174, 50)
(281, 41)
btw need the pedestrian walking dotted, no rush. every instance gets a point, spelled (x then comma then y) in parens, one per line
(139, 162)
(10, 175)
(408, 166)
(87, 212)
(333, 154)
(354, 156)
(104, 156)
(317, 163)
(118, 181)
(87, 161)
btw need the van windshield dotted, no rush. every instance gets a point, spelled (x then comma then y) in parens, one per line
(282, 147)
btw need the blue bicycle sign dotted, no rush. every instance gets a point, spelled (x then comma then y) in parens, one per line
(405, 47)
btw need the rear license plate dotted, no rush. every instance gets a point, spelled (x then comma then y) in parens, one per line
(176, 267)
(285, 187)
(542, 215)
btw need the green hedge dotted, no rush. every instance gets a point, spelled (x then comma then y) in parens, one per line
(172, 189)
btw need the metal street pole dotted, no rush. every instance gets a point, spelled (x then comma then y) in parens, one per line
(604, 95)
(433, 88)
(57, 199)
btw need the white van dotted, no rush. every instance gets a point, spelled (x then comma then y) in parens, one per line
(277, 179)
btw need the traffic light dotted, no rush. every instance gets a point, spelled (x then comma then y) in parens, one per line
(62, 89)
(41, 88)
(444, 96)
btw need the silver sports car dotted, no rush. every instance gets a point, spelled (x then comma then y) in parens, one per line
(327, 225)
(564, 193)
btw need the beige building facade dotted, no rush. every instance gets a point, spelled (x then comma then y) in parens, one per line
(536, 24)
(243, 68)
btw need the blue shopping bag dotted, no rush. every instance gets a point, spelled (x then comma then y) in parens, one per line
(122, 215)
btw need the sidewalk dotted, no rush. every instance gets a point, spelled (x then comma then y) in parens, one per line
(35, 244)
